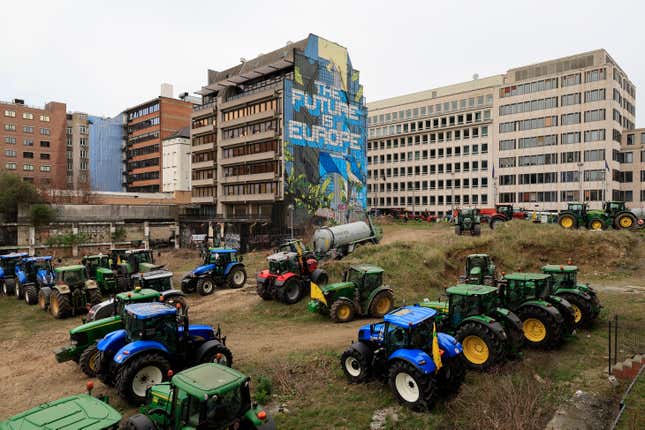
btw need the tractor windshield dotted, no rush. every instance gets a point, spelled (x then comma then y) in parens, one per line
(73, 277)
(421, 335)
(160, 328)
(353, 275)
(158, 284)
(41, 265)
(564, 279)
(143, 257)
(462, 307)
(9, 265)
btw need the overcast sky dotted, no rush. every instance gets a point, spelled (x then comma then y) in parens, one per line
(101, 57)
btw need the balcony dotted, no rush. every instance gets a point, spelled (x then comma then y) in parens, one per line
(250, 138)
(202, 182)
(249, 118)
(270, 155)
(208, 128)
(206, 199)
(247, 99)
(246, 178)
(202, 164)
(266, 197)
(204, 147)
(203, 110)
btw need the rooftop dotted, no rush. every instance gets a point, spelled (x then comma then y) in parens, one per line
(409, 316)
(471, 290)
(142, 311)
(208, 379)
(559, 268)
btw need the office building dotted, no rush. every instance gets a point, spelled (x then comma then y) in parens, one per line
(77, 151)
(107, 155)
(176, 162)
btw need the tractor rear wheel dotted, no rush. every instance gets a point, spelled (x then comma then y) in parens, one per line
(541, 330)
(567, 221)
(482, 347)
(568, 315)
(596, 224)
(319, 277)
(139, 373)
(89, 360)
(342, 311)
(451, 375)
(263, 291)
(31, 294)
(292, 291)
(93, 297)
(60, 305)
(8, 286)
(411, 387)
(625, 220)
(477, 230)
(219, 354)
(458, 230)
(382, 303)
(205, 286)
(43, 297)
(236, 278)
(139, 422)
(494, 222)
(583, 312)
(19, 290)
(355, 365)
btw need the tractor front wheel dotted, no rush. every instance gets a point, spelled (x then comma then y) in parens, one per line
(263, 291)
(355, 365)
(19, 290)
(625, 221)
(477, 230)
(583, 312)
(60, 305)
(494, 222)
(140, 373)
(89, 360)
(205, 286)
(411, 387)
(596, 224)
(236, 278)
(93, 297)
(382, 303)
(541, 330)
(219, 354)
(43, 297)
(482, 347)
(567, 221)
(451, 375)
(139, 422)
(292, 291)
(8, 286)
(31, 294)
(342, 311)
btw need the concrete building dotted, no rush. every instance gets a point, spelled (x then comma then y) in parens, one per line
(107, 155)
(77, 151)
(176, 162)
(285, 129)
(34, 142)
(147, 125)
(632, 171)
(536, 136)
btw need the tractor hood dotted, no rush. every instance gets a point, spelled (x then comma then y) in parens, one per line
(437, 306)
(200, 270)
(595, 212)
(45, 277)
(335, 287)
(365, 333)
(94, 324)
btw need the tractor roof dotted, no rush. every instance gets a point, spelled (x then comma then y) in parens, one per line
(135, 251)
(156, 274)
(282, 255)
(97, 256)
(558, 268)
(479, 255)
(75, 412)
(409, 316)
(41, 258)
(143, 311)
(519, 276)
(471, 290)
(72, 268)
(13, 255)
(222, 250)
(208, 379)
(367, 268)
(138, 294)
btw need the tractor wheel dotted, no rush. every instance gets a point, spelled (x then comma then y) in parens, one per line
(236, 278)
(8, 286)
(319, 277)
(541, 330)
(94, 297)
(43, 297)
(19, 290)
(625, 221)
(355, 365)
(262, 291)
(567, 221)
(583, 312)
(515, 341)
(342, 311)
(138, 374)
(89, 359)
(139, 422)
(219, 354)
(292, 291)
(410, 386)
(568, 315)
(482, 347)
(596, 224)
(494, 222)
(451, 375)
(205, 286)
(31, 294)
(382, 303)
(60, 305)
(188, 287)
(458, 230)
(477, 230)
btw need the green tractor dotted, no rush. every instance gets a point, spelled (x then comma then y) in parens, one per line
(583, 297)
(71, 293)
(468, 220)
(99, 268)
(131, 262)
(613, 214)
(546, 318)
(361, 293)
(488, 333)
(79, 412)
(480, 270)
(207, 396)
(102, 319)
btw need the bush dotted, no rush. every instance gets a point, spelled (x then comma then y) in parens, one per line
(263, 390)
(42, 214)
(119, 234)
(70, 239)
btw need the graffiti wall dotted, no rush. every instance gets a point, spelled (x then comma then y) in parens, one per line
(325, 133)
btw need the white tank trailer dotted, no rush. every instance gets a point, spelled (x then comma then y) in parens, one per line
(338, 241)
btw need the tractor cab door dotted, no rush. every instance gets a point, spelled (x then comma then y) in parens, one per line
(371, 281)
(395, 338)
(514, 292)
(461, 307)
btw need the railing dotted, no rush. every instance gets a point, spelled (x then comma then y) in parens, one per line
(202, 107)
(623, 340)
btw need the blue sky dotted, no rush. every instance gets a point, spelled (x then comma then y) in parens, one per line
(101, 57)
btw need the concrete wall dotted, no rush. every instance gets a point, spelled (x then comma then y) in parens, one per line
(108, 213)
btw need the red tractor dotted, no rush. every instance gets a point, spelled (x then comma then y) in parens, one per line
(291, 271)
(501, 213)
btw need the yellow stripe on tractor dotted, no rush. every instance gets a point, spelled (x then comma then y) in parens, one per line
(317, 294)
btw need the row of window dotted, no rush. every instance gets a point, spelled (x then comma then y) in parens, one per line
(551, 140)
(550, 196)
(198, 175)
(421, 201)
(552, 158)
(27, 167)
(250, 148)
(429, 110)
(209, 191)
(143, 124)
(13, 154)
(143, 163)
(200, 157)
(423, 155)
(144, 137)
(414, 186)
(204, 121)
(81, 128)
(441, 136)
(204, 139)
(27, 129)
(245, 130)
(27, 142)
(447, 121)
(624, 83)
(251, 109)
(252, 188)
(552, 121)
(143, 151)
(466, 166)
(552, 83)
(146, 176)
(551, 177)
(631, 139)
(26, 115)
(147, 110)
(252, 169)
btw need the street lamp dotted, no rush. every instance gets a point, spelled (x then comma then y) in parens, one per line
(291, 210)
(582, 197)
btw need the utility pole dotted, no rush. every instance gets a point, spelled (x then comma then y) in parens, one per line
(291, 209)
(582, 197)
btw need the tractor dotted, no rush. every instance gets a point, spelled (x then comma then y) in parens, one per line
(99, 268)
(621, 217)
(78, 412)
(32, 275)
(102, 319)
(406, 350)
(583, 297)
(207, 396)
(221, 266)
(8, 271)
(156, 338)
(546, 319)
(501, 213)
(95, 262)
(480, 270)
(361, 293)
(130, 262)
(613, 214)
(488, 333)
(290, 273)
(468, 220)
(71, 293)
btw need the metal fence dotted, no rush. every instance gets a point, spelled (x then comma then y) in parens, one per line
(624, 339)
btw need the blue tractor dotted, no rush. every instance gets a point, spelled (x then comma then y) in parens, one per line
(155, 339)
(406, 350)
(32, 274)
(221, 266)
(8, 271)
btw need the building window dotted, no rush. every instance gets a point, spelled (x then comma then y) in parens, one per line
(570, 99)
(595, 75)
(10, 140)
(44, 156)
(28, 167)
(44, 131)
(594, 115)
(28, 142)
(27, 129)
(10, 153)
(595, 95)
(595, 135)
(44, 118)
(83, 141)
(569, 80)
(568, 138)
(45, 168)
(506, 162)
(595, 155)
(27, 155)
(27, 115)
(570, 157)
(83, 129)
(10, 166)
(44, 144)
(10, 127)
(10, 113)
(571, 118)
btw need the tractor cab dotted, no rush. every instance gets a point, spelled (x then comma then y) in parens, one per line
(140, 260)
(506, 210)
(37, 268)
(613, 208)
(158, 280)
(283, 262)
(8, 263)
(153, 322)
(410, 327)
(580, 209)
(72, 276)
(116, 305)
(366, 277)
(564, 276)
(292, 245)
(117, 257)
(519, 287)
(467, 300)
(221, 257)
(480, 270)
(95, 262)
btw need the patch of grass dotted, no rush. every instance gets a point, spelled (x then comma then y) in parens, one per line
(633, 417)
